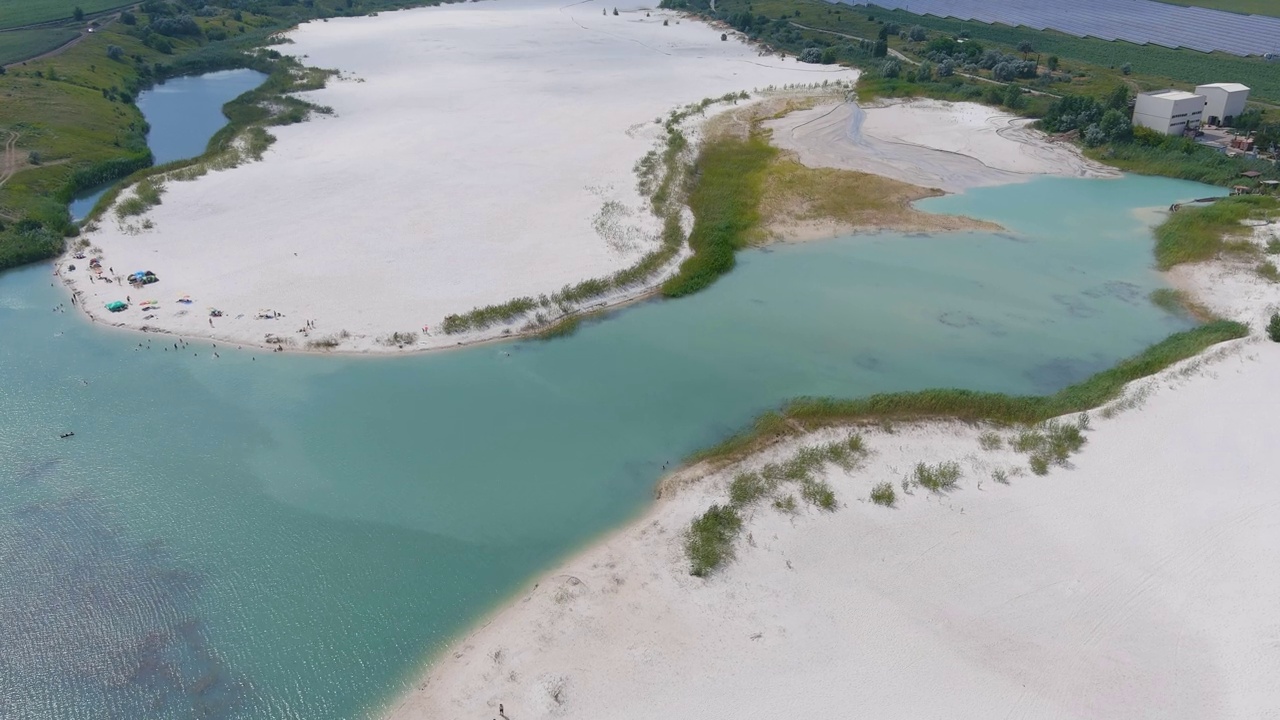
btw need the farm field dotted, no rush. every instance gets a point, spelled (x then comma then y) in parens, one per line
(1255, 7)
(16, 13)
(1158, 65)
(23, 44)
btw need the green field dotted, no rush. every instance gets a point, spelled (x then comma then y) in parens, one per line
(16, 13)
(23, 44)
(1254, 7)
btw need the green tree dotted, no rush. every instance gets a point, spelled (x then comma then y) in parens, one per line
(1013, 98)
(1126, 68)
(1052, 63)
(78, 14)
(881, 49)
(924, 73)
(115, 52)
(891, 68)
(1273, 328)
(1118, 99)
(917, 34)
(1025, 48)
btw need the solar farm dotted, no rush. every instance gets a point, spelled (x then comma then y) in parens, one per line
(1136, 21)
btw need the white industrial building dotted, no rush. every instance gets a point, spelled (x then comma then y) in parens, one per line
(1223, 101)
(1168, 111)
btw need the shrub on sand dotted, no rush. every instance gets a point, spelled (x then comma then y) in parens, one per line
(883, 494)
(710, 539)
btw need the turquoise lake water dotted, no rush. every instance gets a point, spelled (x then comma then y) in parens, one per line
(183, 113)
(277, 536)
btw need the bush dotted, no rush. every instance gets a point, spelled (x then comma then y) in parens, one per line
(710, 539)
(746, 488)
(891, 69)
(128, 18)
(818, 493)
(990, 440)
(1273, 328)
(937, 478)
(115, 52)
(883, 494)
(811, 55)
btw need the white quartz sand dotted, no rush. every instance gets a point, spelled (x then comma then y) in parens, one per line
(935, 144)
(479, 152)
(1139, 583)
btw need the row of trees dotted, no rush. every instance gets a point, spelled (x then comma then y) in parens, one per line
(1097, 122)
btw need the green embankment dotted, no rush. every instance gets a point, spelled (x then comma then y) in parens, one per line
(726, 208)
(806, 414)
(1196, 234)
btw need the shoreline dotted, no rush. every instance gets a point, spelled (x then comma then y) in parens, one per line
(1227, 287)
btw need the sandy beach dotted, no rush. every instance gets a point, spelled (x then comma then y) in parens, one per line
(1137, 583)
(478, 153)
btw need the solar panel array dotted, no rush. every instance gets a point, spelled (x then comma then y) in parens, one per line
(1136, 21)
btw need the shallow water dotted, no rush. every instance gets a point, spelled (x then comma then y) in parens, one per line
(259, 535)
(183, 113)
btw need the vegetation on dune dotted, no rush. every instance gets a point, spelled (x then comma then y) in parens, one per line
(1273, 327)
(709, 540)
(663, 178)
(1196, 234)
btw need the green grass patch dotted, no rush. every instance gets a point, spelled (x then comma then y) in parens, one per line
(16, 13)
(1196, 234)
(1183, 159)
(937, 478)
(807, 414)
(1247, 7)
(1267, 271)
(725, 202)
(19, 45)
(883, 494)
(709, 542)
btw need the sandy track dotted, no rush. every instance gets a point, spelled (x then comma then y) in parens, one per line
(9, 161)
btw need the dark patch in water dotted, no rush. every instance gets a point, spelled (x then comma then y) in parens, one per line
(36, 471)
(1118, 289)
(1057, 374)
(1075, 306)
(1012, 238)
(96, 624)
(869, 362)
(957, 319)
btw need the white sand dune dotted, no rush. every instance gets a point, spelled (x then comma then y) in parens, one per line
(474, 148)
(950, 146)
(1140, 583)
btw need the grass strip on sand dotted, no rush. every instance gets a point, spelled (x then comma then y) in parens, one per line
(807, 414)
(1195, 234)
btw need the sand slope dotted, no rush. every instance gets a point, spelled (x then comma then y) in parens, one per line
(951, 146)
(1140, 583)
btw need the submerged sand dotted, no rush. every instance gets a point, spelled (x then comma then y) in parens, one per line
(1138, 583)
